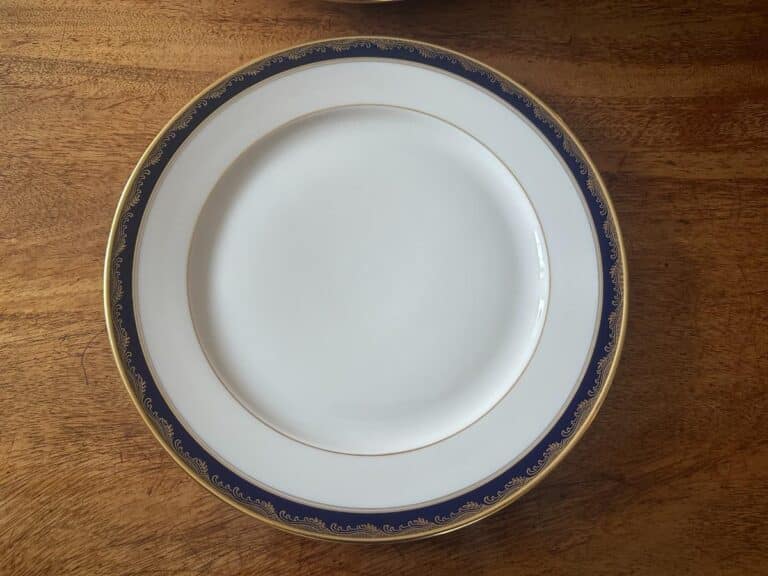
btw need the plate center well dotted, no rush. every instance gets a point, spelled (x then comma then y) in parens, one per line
(368, 280)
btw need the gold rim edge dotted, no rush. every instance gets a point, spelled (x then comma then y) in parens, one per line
(472, 511)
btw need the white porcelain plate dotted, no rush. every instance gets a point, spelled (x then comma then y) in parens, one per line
(366, 289)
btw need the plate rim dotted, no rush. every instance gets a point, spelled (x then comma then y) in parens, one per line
(366, 530)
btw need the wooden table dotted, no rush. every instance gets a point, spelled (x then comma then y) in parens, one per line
(672, 103)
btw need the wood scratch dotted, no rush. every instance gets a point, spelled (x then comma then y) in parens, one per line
(82, 358)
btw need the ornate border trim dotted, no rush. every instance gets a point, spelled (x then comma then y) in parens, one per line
(314, 521)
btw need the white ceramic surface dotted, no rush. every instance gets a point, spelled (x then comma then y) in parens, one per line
(370, 301)
(372, 270)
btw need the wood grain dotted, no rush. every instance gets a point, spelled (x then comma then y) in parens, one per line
(672, 103)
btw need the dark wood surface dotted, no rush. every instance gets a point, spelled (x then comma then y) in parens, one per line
(672, 104)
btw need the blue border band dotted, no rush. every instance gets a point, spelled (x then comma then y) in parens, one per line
(313, 519)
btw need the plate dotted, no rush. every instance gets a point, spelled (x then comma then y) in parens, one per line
(366, 289)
